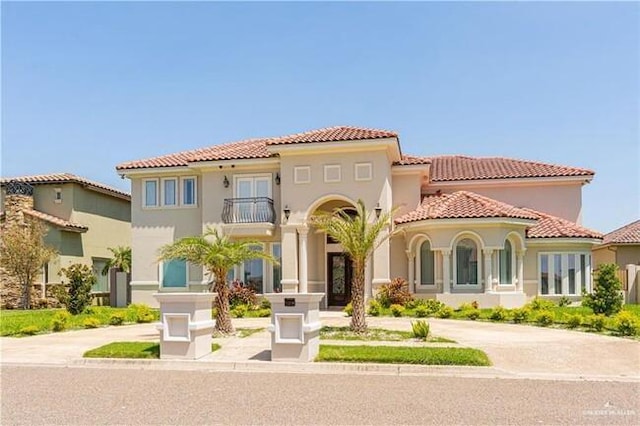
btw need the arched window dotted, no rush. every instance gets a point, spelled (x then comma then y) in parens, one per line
(466, 262)
(427, 276)
(505, 258)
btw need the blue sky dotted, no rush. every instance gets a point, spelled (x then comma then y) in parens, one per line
(86, 86)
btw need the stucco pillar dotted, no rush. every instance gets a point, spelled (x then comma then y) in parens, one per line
(303, 232)
(412, 270)
(520, 282)
(488, 270)
(446, 271)
(381, 262)
(289, 259)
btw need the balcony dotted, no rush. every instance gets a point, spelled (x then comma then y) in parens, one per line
(249, 216)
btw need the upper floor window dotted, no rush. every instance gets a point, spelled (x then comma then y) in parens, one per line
(188, 191)
(170, 192)
(150, 193)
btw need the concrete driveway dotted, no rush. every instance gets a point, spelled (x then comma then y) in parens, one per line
(515, 350)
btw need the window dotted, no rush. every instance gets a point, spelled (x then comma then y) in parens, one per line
(169, 192)
(189, 191)
(426, 265)
(363, 171)
(58, 195)
(564, 273)
(505, 260)
(173, 273)
(102, 281)
(332, 173)
(255, 190)
(253, 272)
(466, 262)
(276, 272)
(150, 193)
(302, 174)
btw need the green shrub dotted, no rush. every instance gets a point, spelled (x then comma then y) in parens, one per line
(348, 309)
(498, 314)
(564, 301)
(264, 313)
(433, 306)
(374, 308)
(394, 293)
(89, 311)
(606, 297)
(520, 315)
(445, 312)
(574, 321)
(421, 311)
(117, 318)
(627, 324)
(60, 321)
(91, 322)
(464, 307)
(472, 314)
(544, 318)
(420, 329)
(29, 330)
(539, 304)
(265, 304)
(595, 322)
(239, 311)
(140, 313)
(81, 279)
(396, 310)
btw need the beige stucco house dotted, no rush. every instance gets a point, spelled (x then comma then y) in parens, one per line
(84, 218)
(622, 247)
(494, 230)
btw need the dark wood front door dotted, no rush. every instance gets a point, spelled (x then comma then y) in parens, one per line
(339, 277)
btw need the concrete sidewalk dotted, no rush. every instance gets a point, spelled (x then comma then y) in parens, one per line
(516, 351)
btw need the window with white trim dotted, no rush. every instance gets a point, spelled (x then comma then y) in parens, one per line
(189, 191)
(150, 196)
(253, 271)
(363, 171)
(506, 260)
(169, 192)
(425, 266)
(174, 274)
(564, 273)
(466, 261)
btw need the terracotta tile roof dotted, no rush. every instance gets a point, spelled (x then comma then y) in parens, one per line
(56, 221)
(628, 234)
(549, 226)
(256, 148)
(459, 168)
(66, 178)
(462, 205)
(412, 160)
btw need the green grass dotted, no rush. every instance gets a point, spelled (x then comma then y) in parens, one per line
(137, 350)
(246, 332)
(403, 355)
(373, 334)
(12, 321)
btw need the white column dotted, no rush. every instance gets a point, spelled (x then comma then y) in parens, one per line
(412, 270)
(303, 231)
(446, 271)
(381, 261)
(290, 260)
(520, 283)
(488, 270)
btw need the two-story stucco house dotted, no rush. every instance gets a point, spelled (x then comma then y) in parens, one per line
(84, 218)
(494, 230)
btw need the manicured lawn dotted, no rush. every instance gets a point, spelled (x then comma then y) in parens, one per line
(403, 355)
(373, 334)
(246, 332)
(131, 350)
(13, 321)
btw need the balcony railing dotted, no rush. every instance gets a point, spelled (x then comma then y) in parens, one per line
(248, 210)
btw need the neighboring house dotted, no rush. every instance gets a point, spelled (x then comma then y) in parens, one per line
(494, 230)
(622, 247)
(84, 219)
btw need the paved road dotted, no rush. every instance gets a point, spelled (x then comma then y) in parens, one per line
(73, 395)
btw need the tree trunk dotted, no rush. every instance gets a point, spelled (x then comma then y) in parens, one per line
(358, 321)
(223, 316)
(26, 295)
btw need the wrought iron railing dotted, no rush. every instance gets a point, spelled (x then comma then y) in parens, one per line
(248, 210)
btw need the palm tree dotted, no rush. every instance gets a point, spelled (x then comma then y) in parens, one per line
(217, 255)
(359, 237)
(121, 260)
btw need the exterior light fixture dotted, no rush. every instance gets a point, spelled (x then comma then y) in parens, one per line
(378, 210)
(225, 182)
(287, 212)
(277, 178)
